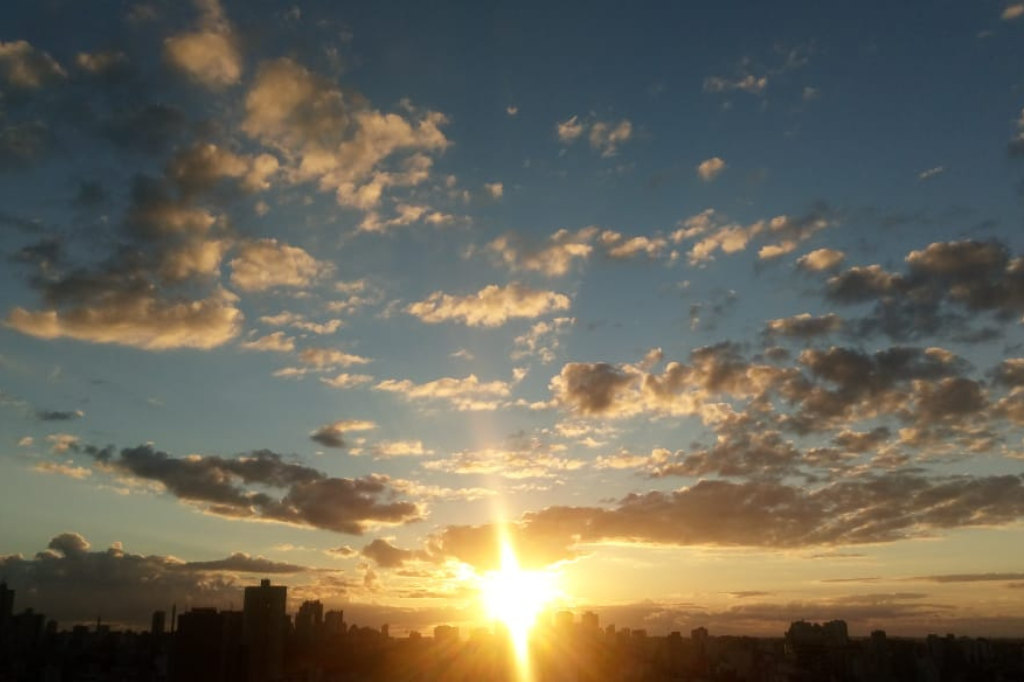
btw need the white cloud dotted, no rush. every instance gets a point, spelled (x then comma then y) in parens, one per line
(821, 259)
(570, 129)
(139, 319)
(748, 83)
(709, 169)
(496, 190)
(606, 137)
(23, 66)
(931, 172)
(1011, 12)
(346, 380)
(327, 357)
(209, 55)
(276, 342)
(492, 306)
(265, 264)
(466, 394)
(554, 259)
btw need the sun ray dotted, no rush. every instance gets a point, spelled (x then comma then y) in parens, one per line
(516, 597)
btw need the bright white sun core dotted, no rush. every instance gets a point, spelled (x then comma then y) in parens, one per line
(516, 597)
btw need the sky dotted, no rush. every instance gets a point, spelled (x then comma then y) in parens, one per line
(713, 310)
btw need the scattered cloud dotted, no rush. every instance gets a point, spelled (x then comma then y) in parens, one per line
(709, 169)
(465, 394)
(27, 68)
(265, 264)
(209, 55)
(554, 258)
(492, 306)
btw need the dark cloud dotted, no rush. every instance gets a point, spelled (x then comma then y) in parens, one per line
(969, 577)
(238, 488)
(148, 128)
(944, 286)
(329, 435)
(591, 388)
(59, 415)
(240, 562)
(857, 510)
(90, 194)
(71, 582)
(22, 144)
(386, 555)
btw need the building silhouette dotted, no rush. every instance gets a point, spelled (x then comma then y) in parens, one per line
(264, 624)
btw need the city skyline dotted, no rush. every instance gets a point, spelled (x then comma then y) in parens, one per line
(705, 315)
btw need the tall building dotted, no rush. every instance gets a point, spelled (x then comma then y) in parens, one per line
(156, 627)
(334, 623)
(590, 621)
(6, 602)
(309, 622)
(263, 631)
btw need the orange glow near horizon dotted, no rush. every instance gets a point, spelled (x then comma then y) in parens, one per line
(515, 597)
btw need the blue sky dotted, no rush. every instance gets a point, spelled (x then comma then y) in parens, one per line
(333, 292)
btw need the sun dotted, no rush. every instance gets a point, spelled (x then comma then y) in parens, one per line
(516, 597)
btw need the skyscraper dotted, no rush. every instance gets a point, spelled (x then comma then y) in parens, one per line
(263, 630)
(309, 622)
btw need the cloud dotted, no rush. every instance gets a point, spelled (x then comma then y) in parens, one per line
(619, 247)
(943, 285)
(22, 144)
(346, 380)
(1016, 146)
(570, 129)
(138, 318)
(386, 555)
(554, 258)
(749, 83)
(209, 55)
(595, 388)
(542, 340)
(103, 62)
(265, 264)
(606, 137)
(865, 509)
(276, 342)
(71, 582)
(709, 169)
(59, 415)
(336, 139)
(399, 448)
(405, 214)
(242, 488)
(821, 259)
(201, 166)
(324, 358)
(26, 68)
(804, 326)
(526, 458)
(931, 173)
(495, 190)
(333, 435)
(69, 470)
(466, 394)
(492, 306)
(1011, 12)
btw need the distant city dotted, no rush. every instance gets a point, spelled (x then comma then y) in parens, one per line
(263, 643)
